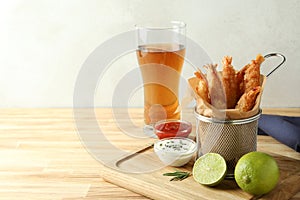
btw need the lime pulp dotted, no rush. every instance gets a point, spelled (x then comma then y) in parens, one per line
(210, 169)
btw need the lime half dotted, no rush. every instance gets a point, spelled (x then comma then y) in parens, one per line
(210, 169)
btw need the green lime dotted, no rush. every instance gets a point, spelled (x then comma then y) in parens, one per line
(256, 173)
(210, 169)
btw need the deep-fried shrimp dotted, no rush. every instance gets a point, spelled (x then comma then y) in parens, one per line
(240, 81)
(229, 82)
(247, 100)
(202, 88)
(215, 87)
(252, 74)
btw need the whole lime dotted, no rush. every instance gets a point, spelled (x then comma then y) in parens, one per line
(256, 173)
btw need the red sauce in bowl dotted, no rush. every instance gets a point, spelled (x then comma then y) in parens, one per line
(172, 128)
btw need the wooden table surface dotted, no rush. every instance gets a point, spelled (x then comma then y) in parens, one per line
(42, 157)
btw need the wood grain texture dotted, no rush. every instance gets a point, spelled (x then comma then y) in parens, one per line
(151, 184)
(42, 156)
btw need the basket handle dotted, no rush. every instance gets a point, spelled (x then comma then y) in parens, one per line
(276, 55)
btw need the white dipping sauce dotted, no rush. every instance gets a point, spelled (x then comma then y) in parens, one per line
(176, 145)
(175, 151)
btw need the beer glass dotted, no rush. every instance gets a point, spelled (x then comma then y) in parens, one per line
(160, 54)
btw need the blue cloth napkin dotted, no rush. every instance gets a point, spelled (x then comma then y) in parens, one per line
(284, 129)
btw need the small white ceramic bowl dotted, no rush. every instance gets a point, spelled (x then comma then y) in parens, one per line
(176, 151)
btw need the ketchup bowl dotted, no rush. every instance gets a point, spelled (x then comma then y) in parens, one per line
(172, 128)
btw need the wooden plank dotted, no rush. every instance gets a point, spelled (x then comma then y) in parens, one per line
(42, 156)
(156, 186)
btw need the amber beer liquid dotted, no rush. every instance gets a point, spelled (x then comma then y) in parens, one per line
(161, 66)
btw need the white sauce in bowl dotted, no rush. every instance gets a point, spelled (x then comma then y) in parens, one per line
(176, 145)
(175, 151)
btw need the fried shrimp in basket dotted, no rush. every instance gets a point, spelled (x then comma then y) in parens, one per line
(230, 89)
(248, 99)
(202, 88)
(215, 87)
(249, 76)
(240, 81)
(252, 74)
(229, 82)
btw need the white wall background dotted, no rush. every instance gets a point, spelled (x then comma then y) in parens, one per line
(43, 43)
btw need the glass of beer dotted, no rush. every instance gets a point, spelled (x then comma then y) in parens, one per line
(160, 54)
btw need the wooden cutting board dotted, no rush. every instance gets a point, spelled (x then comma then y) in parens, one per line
(156, 186)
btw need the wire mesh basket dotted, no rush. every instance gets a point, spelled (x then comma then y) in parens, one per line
(229, 138)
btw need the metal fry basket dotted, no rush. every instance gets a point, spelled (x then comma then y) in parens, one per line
(229, 138)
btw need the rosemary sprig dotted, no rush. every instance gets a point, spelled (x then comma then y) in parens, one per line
(178, 175)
